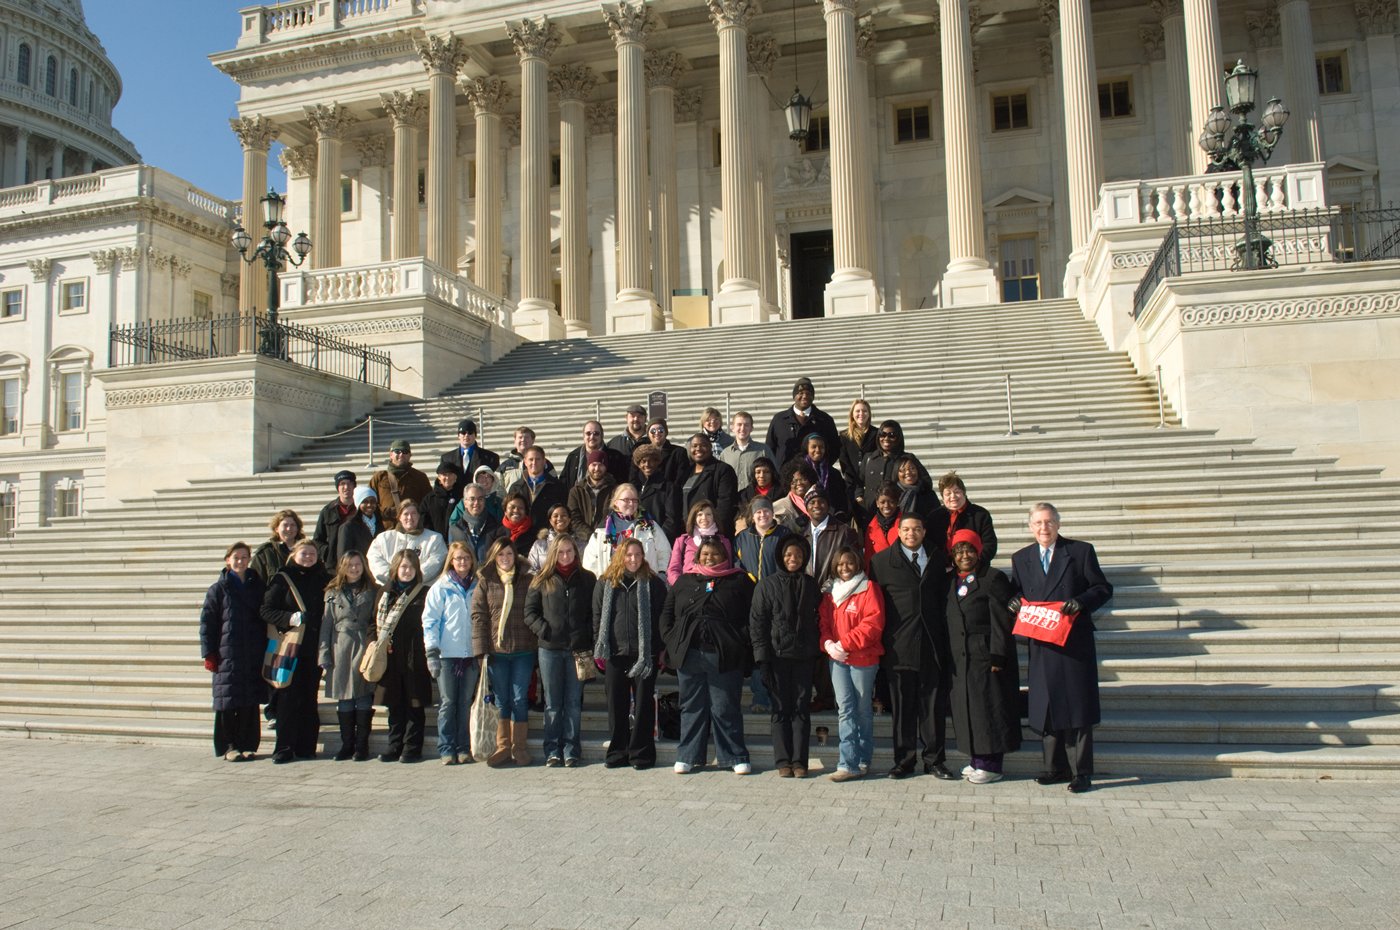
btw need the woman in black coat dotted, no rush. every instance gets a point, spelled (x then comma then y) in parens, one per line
(786, 633)
(878, 467)
(295, 597)
(356, 533)
(985, 673)
(857, 441)
(705, 626)
(627, 604)
(559, 610)
(232, 639)
(406, 688)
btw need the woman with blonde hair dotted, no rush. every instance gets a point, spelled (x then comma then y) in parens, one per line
(712, 425)
(501, 637)
(558, 610)
(347, 627)
(447, 641)
(627, 520)
(627, 604)
(405, 688)
(295, 597)
(857, 441)
(274, 552)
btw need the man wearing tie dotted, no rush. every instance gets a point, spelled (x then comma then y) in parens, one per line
(468, 456)
(914, 580)
(1064, 680)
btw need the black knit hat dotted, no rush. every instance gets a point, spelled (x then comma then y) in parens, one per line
(345, 474)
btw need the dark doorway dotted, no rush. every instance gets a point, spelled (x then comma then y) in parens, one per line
(813, 261)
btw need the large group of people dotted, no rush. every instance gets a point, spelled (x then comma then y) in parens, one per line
(821, 568)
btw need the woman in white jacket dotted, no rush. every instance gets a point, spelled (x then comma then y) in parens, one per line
(447, 639)
(626, 520)
(408, 534)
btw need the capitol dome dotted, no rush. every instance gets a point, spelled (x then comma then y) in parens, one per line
(57, 91)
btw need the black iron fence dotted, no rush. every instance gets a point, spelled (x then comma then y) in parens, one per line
(182, 340)
(1297, 237)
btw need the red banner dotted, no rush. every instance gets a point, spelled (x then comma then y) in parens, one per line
(1045, 621)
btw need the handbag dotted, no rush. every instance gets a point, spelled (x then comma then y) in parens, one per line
(584, 666)
(485, 717)
(280, 657)
(1044, 621)
(375, 662)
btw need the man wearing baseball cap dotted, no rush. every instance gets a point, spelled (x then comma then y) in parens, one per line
(399, 481)
(789, 427)
(634, 435)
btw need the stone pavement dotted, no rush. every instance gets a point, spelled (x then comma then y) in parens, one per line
(109, 835)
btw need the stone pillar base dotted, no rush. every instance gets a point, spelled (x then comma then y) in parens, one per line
(968, 288)
(576, 329)
(737, 305)
(1074, 276)
(851, 297)
(537, 321)
(634, 312)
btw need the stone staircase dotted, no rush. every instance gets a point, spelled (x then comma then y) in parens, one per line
(1251, 632)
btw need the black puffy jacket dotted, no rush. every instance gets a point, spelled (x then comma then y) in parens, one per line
(231, 627)
(715, 611)
(783, 620)
(560, 611)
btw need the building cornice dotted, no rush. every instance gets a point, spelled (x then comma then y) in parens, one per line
(322, 54)
(52, 219)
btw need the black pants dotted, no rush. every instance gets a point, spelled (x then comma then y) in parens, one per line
(919, 705)
(789, 682)
(238, 729)
(822, 689)
(630, 742)
(406, 728)
(1069, 750)
(298, 713)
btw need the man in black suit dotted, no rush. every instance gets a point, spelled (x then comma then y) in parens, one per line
(789, 428)
(914, 580)
(468, 456)
(709, 479)
(1064, 680)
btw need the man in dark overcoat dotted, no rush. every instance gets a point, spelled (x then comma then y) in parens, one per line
(914, 580)
(709, 479)
(1064, 680)
(791, 426)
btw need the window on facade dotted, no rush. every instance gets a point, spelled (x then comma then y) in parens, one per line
(1019, 278)
(70, 413)
(423, 187)
(818, 135)
(91, 98)
(73, 87)
(913, 123)
(556, 171)
(717, 155)
(73, 296)
(51, 77)
(203, 306)
(22, 71)
(65, 501)
(12, 303)
(1333, 75)
(1115, 99)
(347, 195)
(9, 512)
(1010, 111)
(9, 407)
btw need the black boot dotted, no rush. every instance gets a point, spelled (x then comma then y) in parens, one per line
(347, 734)
(362, 722)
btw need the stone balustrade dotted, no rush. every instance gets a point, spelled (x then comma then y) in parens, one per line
(104, 187)
(297, 20)
(402, 279)
(1209, 196)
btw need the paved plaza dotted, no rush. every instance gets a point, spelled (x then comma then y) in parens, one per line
(106, 835)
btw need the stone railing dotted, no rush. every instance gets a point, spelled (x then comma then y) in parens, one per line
(114, 184)
(406, 278)
(301, 18)
(1209, 196)
(31, 97)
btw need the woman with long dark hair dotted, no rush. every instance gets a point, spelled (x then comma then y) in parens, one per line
(406, 690)
(627, 605)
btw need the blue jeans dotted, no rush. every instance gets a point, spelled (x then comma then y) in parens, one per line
(510, 683)
(760, 693)
(854, 686)
(350, 705)
(563, 703)
(710, 697)
(455, 694)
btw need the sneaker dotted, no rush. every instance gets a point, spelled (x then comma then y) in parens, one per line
(684, 768)
(464, 758)
(864, 767)
(743, 768)
(983, 777)
(841, 775)
(233, 756)
(553, 762)
(967, 770)
(572, 763)
(449, 760)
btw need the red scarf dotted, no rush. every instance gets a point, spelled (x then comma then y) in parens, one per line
(800, 503)
(517, 529)
(952, 527)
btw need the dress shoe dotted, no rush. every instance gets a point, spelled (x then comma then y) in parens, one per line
(642, 766)
(799, 771)
(614, 763)
(1079, 784)
(1052, 778)
(940, 771)
(412, 755)
(282, 758)
(390, 756)
(899, 771)
(784, 771)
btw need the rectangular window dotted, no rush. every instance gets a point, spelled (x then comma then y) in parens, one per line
(1333, 75)
(9, 407)
(1116, 99)
(913, 123)
(73, 296)
(203, 306)
(1010, 111)
(71, 412)
(818, 135)
(9, 512)
(65, 502)
(12, 303)
(556, 170)
(1019, 278)
(347, 195)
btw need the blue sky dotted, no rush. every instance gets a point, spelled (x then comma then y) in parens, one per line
(175, 105)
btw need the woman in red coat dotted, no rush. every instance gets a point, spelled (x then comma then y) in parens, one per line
(852, 616)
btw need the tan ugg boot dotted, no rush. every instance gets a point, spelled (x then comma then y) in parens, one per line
(502, 755)
(520, 742)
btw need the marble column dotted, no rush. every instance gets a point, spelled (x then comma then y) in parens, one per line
(969, 279)
(329, 122)
(664, 70)
(573, 84)
(602, 213)
(1178, 87)
(739, 299)
(763, 54)
(442, 57)
(299, 161)
(1300, 74)
(1083, 147)
(256, 134)
(852, 286)
(635, 309)
(372, 241)
(22, 159)
(1378, 19)
(866, 132)
(535, 316)
(1201, 20)
(488, 97)
(406, 110)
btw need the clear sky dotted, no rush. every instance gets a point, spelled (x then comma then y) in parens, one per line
(175, 105)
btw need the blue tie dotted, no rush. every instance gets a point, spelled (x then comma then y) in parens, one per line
(1045, 560)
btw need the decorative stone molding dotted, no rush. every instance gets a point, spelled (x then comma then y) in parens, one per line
(441, 54)
(373, 149)
(180, 267)
(510, 128)
(1153, 39)
(298, 397)
(602, 117)
(803, 172)
(487, 94)
(727, 14)
(104, 260)
(255, 133)
(1377, 17)
(664, 69)
(1139, 259)
(1262, 26)
(329, 120)
(688, 104)
(534, 38)
(1046, 50)
(1167, 9)
(866, 37)
(829, 5)
(1050, 14)
(179, 394)
(976, 20)
(130, 256)
(228, 284)
(41, 268)
(629, 20)
(573, 81)
(763, 54)
(1292, 310)
(298, 161)
(405, 107)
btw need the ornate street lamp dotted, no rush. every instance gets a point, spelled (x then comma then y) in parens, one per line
(1241, 148)
(273, 252)
(798, 109)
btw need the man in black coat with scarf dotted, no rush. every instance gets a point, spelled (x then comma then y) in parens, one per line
(914, 580)
(790, 428)
(709, 479)
(1064, 680)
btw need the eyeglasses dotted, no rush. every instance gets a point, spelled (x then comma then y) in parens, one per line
(628, 500)
(591, 432)
(889, 435)
(656, 429)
